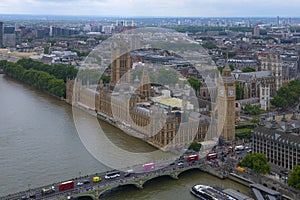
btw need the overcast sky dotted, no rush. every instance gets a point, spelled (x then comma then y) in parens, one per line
(180, 8)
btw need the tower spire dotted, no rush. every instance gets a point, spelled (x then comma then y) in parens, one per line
(226, 71)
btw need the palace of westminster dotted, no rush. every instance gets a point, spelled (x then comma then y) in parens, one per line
(171, 117)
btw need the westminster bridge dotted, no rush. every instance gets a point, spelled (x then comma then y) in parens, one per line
(94, 190)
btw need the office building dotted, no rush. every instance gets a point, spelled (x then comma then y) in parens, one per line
(279, 140)
(1, 34)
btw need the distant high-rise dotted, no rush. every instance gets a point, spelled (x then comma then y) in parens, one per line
(256, 31)
(290, 21)
(18, 36)
(9, 40)
(278, 22)
(1, 34)
(9, 30)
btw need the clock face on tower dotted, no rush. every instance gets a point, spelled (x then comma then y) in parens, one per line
(231, 92)
(222, 92)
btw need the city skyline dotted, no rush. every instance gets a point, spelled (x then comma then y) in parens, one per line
(150, 8)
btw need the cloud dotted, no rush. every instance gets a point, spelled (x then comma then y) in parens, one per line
(152, 7)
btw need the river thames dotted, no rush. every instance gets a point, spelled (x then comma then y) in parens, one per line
(39, 145)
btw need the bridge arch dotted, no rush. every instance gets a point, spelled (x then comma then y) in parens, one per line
(114, 187)
(189, 169)
(85, 198)
(158, 176)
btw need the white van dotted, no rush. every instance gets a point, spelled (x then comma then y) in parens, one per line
(239, 148)
(113, 174)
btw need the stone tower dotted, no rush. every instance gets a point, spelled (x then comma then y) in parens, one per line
(226, 105)
(273, 63)
(264, 96)
(145, 85)
(120, 61)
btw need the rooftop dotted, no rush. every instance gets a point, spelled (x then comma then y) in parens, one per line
(168, 101)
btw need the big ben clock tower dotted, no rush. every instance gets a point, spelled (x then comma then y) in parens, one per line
(226, 105)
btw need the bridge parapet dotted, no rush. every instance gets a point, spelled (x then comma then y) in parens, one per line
(138, 180)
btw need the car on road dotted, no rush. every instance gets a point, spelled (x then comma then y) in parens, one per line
(85, 181)
(127, 174)
(48, 190)
(24, 198)
(79, 184)
(209, 163)
(193, 163)
(96, 179)
(180, 164)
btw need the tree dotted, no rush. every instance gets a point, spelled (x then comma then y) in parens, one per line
(243, 133)
(220, 69)
(209, 46)
(252, 109)
(238, 91)
(59, 71)
(248, 69)
(38, 79)
(195, 83)
(231, 54)
(46, 50)
(2, 63)
(257, 162)
(105, 79)
(81, 54)
(279, 102)
(231, 66)
(294, 180)
(195, 146)
(287, 95)
(57, 87)
(254, 120)
(52, 42)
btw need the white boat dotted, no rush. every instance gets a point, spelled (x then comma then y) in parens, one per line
(205, 192)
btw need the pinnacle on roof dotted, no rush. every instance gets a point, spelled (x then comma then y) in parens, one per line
(294, 117)
(283, 118)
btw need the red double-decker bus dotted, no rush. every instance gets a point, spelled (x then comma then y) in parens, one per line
(210, 156)
(66, 185)
(191, 158)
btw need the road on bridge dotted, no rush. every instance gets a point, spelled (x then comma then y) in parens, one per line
(86, 184)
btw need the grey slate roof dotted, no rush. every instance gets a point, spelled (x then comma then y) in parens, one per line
(251, 75)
